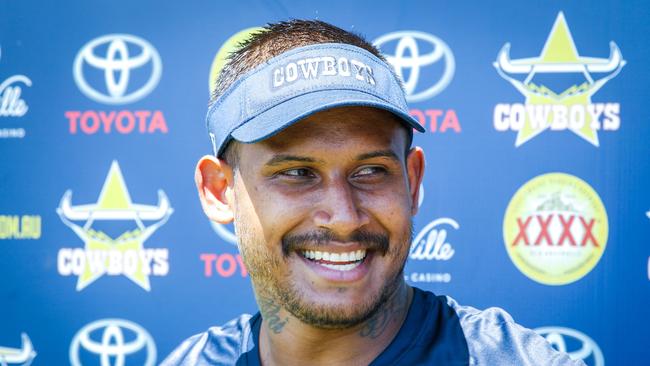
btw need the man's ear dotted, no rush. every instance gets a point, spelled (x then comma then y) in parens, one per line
(415, 171)
(214, 181)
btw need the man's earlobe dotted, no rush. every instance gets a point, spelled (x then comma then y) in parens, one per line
(214, 178)
(415, 170)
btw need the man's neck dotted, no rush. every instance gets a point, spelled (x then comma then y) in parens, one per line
(285, 340)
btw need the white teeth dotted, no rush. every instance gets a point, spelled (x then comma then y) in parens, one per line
(335, 257)
(341, 267)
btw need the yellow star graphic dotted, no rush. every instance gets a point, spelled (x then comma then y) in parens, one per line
(114, 199)
(559, 56)
(103, 252)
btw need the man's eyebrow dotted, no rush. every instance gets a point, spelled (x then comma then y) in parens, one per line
(284, 158)
(378, 154)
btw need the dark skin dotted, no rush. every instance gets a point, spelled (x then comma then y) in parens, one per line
(342, 171)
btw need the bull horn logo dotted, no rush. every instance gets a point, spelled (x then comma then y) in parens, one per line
(23, 355)
(559, 56)
(136, 211)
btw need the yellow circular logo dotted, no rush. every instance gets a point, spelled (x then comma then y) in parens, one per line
(231, 45)
(555, 229)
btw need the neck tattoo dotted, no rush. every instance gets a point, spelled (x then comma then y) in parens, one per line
(376, 325)
(270, 312)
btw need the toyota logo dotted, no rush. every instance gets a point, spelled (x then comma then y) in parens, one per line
(110, 54)
(112, 339)
(407, 57)
(576, 344)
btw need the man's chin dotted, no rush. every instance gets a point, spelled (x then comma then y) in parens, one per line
(333, 316)
(337, 314)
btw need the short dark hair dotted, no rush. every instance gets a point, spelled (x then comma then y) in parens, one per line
(277, 38)
(273, 40)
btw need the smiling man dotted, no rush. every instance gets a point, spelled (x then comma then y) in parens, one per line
(313, 163)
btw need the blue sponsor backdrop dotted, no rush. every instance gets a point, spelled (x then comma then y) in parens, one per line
(102, 121)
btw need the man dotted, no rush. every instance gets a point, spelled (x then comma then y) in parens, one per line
(313, 163)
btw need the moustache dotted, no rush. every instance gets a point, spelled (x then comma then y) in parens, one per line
(370, 241)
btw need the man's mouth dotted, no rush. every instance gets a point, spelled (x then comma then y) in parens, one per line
(337, 261)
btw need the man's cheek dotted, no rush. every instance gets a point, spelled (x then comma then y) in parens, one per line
(285, 216)
(388, 206)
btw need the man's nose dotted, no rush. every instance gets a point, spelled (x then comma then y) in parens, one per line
(339, 209)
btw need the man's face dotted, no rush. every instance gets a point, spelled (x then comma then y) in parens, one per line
(323, 213)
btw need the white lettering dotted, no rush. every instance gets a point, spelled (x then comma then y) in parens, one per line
(595, 110)
(11, 105)
(146, 257)
(63, 262)
(161, 259)
(429, 277)
(500, 117)
(113, 262)
(560, 117)
(369, 75)
(358, 68)
(430, 243)
(291, 72)
(78, 261)
(309, 68)
(517, 116)
(130, 262)
(328, 65)
(278, 77)
(96, 260)
(12, 132)
(538, 115)
(576, 116)
(344, 67)
(612, 117)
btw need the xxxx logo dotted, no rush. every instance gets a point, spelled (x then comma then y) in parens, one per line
(555, 229)
(566, 233)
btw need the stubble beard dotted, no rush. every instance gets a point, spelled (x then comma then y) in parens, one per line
(263, 267)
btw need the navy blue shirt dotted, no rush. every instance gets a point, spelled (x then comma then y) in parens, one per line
(436, 331)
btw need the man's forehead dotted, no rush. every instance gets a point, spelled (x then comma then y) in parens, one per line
(340, 126)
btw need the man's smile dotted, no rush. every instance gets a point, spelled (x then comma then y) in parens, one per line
(337, 264)
(339, 261)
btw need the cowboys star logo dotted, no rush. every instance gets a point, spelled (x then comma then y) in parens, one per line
(103, 254)
(569, 108)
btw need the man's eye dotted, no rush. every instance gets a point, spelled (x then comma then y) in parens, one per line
(369, 171)
(297, 173)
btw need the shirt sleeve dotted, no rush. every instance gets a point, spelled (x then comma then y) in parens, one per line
(219, 346)
(188, 353)
(493, 338)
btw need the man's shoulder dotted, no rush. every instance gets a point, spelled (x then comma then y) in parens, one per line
(494, 338)
(219, 345)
